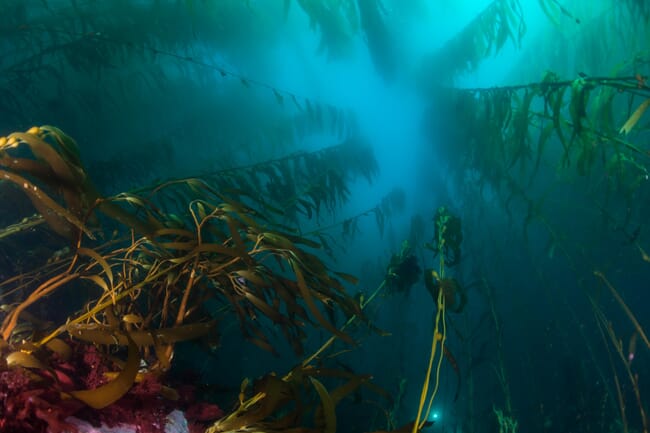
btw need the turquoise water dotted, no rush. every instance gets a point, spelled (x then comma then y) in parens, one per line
(342, 126)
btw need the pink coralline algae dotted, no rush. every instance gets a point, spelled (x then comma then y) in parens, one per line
(28, 405)
(37, 400)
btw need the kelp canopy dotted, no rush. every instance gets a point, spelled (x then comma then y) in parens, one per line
(162, 262)
(551, 169)
(183, 183)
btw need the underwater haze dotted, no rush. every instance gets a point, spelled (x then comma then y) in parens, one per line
(310, 216)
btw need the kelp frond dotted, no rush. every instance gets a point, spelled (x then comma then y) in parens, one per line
(485, 35)
(149, 291)
(222, 249)
(506, 138)
(51, 175)
(299, 185)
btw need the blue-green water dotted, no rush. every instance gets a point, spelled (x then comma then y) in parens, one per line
(350, 123)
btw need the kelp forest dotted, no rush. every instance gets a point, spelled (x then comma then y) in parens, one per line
(320, 216)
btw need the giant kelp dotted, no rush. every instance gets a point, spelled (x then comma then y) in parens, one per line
(164, 261)
(513, 127)
(143, 274)
(561, 158)
(142, 270)
(341, 21)
(68, 213)
(303, 183)
(485, 35)
(639, 7)
(80, 63)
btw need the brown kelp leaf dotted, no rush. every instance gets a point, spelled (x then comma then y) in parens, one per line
(56, 222)
(303, 241)
(263, 344)
(60, 347)
(23, 225)
(120, 215)
(309, 300)
(242, 390)
(271, 393)
(251, 276)
(277, 391)
(99, 281)
(347, 388)
(132, 199)
(100, 334)
(265, 308)
(132, 318)
(260, 339)
(174, 232)
(278, 241)
(241, 211)
(99, 259)
(327, 407)
(240, 247)
(109, 393)
(216, 248)
(181, 246)
(35, 168)
(69, 147)
(46, 205)
(315, 266)
(289, 298)
(47, 153)
(25, 360)
(201, 212)
(347, 277)
(163, 353)
(634, 118)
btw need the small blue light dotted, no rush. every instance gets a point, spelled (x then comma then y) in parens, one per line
(434, 416)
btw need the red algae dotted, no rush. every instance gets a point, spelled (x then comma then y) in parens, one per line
(27, 405)
(36, 401)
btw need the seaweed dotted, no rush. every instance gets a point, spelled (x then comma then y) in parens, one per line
(485, 35)
(175, 246)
